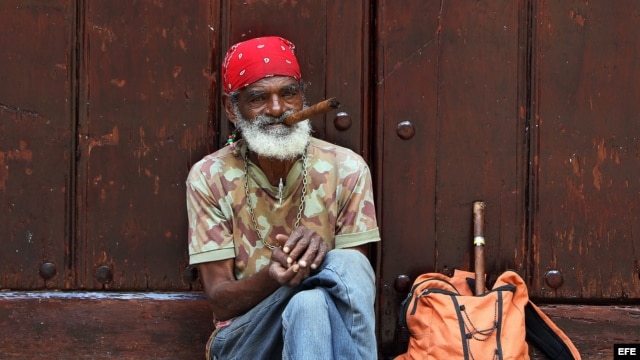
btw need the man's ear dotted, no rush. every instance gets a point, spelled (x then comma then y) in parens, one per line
(228, 108)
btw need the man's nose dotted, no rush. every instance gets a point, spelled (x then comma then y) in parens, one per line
(275, 106)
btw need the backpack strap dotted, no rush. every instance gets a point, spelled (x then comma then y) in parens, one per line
(547, 336)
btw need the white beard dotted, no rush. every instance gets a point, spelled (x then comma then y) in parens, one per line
(282, 143)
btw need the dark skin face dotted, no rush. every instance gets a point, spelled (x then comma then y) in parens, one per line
(302, 250)
(272, 96)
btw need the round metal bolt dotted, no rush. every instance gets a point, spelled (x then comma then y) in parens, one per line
(104, 274)
(554, 278)
(402, 284)
(405, 130)
(48, 271)
(190, 274)
(342, 121)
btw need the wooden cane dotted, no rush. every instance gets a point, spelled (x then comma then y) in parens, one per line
(311, 111)
(478, 245)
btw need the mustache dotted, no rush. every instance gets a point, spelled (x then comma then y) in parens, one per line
(264, 120)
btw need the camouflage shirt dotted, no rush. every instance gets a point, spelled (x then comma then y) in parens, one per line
(338, 205)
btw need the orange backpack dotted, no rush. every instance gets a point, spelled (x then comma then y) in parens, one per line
(446, 321)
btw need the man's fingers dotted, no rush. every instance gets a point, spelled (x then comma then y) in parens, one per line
(300, 247)
(281, 239)
(311, 251)
(301, 274)
(279, 256)
(304, 247)
(322, 252)
(292, 241)
(291, 276)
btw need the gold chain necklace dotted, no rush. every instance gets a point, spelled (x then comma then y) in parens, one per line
(305, 173)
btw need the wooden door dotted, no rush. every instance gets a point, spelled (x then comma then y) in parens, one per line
(104, 106)
(450, 112)
(143, 117)
(586, 151)
(529, 106)
(36, 143)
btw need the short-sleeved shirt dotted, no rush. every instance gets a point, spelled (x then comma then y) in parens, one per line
(338, 205)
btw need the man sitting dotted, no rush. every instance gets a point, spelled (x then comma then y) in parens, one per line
(280, 223)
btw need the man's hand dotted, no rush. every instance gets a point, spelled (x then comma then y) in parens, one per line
(303, 251)
(283, 273)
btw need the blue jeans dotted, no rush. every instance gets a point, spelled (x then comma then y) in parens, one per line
(330, 315)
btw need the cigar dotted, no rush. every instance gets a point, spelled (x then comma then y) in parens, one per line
(311, 111)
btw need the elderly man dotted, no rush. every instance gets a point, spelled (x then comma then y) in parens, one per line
(280, 222)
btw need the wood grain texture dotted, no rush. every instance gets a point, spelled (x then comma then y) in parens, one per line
(587, 155)
(58, 325)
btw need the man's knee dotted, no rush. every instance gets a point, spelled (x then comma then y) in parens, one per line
(347, 256)
(307, 300)
(350, 260)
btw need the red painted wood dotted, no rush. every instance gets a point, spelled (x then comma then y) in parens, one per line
(587, 159)
(405, 90)
(451, 71)
(144, 116)
(528, 106)
(92, 325)
(36, 141)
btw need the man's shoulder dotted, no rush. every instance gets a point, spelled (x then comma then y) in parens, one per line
(327, 149)
(215, 162)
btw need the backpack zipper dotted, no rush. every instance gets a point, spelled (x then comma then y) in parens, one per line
(407, 302)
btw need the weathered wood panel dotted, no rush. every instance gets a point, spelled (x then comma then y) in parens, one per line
(36, 142)
(347, 75)
(144, 110)
(595, 329)
(450, 72)
(331, 41)
(406, 113)
(57, 325)
(171, 326)
(587, 173)
(480, 139)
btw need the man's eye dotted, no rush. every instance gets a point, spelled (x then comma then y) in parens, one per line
(290, 93)
(257, 99)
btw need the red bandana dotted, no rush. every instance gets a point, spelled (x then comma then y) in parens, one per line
(251, 60)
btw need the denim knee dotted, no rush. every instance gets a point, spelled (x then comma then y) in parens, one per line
(348, 261)
(309, 300)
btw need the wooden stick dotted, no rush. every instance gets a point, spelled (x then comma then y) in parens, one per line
(311, 111)
(478, 242)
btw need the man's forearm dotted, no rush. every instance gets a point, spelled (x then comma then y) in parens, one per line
(234, 298)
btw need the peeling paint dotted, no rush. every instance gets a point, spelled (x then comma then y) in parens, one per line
(575, 165)
(22, 153)
(110, 139)
(176, 71)
(107, 36)
(576, 18)
(603, 153)
(4, 172)
(156, 185)
(158, 3)
(119, 82)
(182, 45)
(142, 150)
